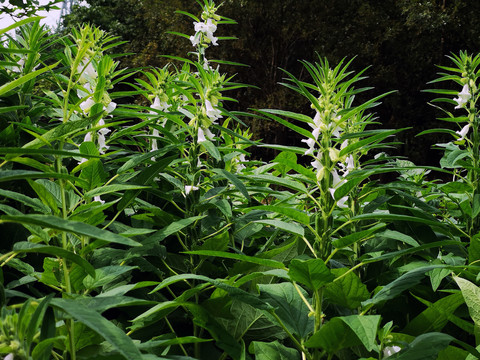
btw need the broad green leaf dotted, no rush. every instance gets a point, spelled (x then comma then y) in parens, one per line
(171, 229)
(37, 318)
(34, 203)
(244, 316)
(75, 227)
(234, 292)
(396, 235)
(250, 259)
(312, 273)
(114, 335)
(352, 238)
(435, 317)
(144, 178)
(290, 227)
(346, 290)
(212, 150)
(27, 247)
(107, 189)
(295, 185)
(234, 180)
(11, 175)
(471, 294)
(141, 158)
(19, 23)
(424, 347)
(369, 140)
(401, 284)
(106, 275)
(364, 327)
(289, 307)
(273, 351)
(333, 336)
(399, 217)
(23, 79)
(288, 211)
(474, 249)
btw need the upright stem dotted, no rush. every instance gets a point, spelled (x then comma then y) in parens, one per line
(66, 274)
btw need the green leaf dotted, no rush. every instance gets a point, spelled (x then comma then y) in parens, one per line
(23, 79)
(346, 290)
(355, 237)
(105, 275)
(333, 336)
(234, 180)
(364, 327)
(273, 351)
(234, 292)
(435, 317)
(424, 347)
(295, 185)
(34, 203)
(75, 227)
(290, 212)
(114, 335)
(312, 273)
(290, 227)
(37, 318)
(171, 229)
(471, 294)
(289, 307)
(250, 259)
(20, 23)
(212, 150)
(401, 284)
(27, 247)
(107, 189)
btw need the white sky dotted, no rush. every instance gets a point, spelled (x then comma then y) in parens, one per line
(51, 17)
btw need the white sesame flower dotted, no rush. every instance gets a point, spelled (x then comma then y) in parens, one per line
(110, 107)
(159, 105)
(195, 39)
(87, 70)
(463, 132)
(99, 199)
(189, 188)
(88, 137)
(212, 113)
(311, 145)
(105, 130)
(207, 28)
(350, 163)
(102, 147)
(87, 104)
(154, 141)
(463, 97)
(209, 134)
(390, 350)
(200, 135)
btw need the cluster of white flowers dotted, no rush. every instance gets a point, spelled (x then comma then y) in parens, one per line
(89, 78)
(463, 97)
(205, 29)
(161, 106)
(390, 350)
(213, 114)
(331, 127)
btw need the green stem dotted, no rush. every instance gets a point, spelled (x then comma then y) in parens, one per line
(293, 338)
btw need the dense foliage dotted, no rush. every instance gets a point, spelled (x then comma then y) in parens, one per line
(136, 226)
(401, 40)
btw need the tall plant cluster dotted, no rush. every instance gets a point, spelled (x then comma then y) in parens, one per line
(134, 225)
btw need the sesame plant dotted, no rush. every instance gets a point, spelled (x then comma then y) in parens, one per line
(135, 226)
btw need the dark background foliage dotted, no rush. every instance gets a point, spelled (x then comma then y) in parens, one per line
(402, 41)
